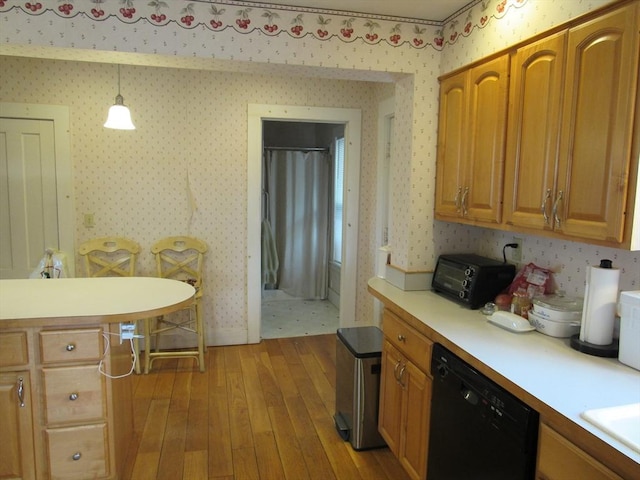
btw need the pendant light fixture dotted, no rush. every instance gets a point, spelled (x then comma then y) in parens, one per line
(119, 117)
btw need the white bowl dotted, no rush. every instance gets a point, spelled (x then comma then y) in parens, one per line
(559, 308)
(553, 328)
(557, 315)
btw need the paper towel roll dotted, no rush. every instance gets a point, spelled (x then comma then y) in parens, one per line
(599, 310)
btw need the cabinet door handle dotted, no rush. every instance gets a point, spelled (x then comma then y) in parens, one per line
(401, 338)
(395, 371)
(465, 195)
(76, 456)
(543, 207)
(21, 392)
(402, 370)
(71, 347)
(457, 199)
(73, 397)
(556, 217)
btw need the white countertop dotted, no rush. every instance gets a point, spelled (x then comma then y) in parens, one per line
(26, 302)
(564, 379)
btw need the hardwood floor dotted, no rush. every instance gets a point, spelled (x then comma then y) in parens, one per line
(260, 411)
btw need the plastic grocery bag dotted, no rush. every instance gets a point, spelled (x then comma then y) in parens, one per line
(532, 281)
(52, 265)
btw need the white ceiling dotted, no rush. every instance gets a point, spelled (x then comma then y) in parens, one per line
(436, 10)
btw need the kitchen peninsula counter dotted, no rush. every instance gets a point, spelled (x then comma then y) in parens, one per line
(65, 373)
(545, 372)
(37, 302)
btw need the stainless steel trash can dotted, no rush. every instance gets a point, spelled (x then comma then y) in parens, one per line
(358, 363)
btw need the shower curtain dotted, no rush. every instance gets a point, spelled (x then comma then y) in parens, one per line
(297, 191)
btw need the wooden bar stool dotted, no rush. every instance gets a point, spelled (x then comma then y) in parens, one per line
(178, 258)
(112, 257)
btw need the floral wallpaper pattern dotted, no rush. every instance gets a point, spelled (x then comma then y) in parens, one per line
(275, 20)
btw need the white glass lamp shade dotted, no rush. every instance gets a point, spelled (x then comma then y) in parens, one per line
(119, 117)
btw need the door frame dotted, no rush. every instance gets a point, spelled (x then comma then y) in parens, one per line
(59, 114)
(386, 110)
(352, 120)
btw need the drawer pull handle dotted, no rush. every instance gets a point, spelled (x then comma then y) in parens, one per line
(71, 347)
(76, 456)
(21, 392)
(73, 396)
(401, 338)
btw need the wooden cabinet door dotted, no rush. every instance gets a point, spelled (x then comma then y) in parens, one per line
(451, 159)
(416, 405)
(486, 134)
(16, 424)
(390, 406)
(559, 459)
(597, 123)
(537, 74)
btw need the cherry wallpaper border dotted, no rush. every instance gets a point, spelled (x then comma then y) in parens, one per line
(278, 20)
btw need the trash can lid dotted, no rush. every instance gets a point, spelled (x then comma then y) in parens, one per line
(362, 341)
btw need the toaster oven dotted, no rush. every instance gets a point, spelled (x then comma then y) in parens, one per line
(471, 280)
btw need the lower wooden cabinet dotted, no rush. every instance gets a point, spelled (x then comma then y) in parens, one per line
(17, 459)
(560, 459)
(76, 453)
(405, 408)
(405, 396)
(60, 418)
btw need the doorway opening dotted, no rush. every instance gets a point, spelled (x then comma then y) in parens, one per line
(350, 120)
(302, 204)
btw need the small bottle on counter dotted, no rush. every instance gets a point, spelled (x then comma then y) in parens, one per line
(520, 304)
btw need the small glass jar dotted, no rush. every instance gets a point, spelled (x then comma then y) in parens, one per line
(521, 304)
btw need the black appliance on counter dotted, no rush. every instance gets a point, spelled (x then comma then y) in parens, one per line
(477, 429)
(470, 279)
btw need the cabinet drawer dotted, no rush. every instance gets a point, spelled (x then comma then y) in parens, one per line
(78, 453)
(14, 351)
(410, 342)
(58, 346)
(73, 394)
(558, 458)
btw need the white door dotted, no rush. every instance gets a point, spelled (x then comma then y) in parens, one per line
(28, 195)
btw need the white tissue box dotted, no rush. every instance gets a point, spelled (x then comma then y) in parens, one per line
(629, 352)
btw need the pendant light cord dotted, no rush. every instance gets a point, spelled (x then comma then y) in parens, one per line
(118, 79)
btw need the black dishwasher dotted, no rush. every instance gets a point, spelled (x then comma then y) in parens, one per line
(478, 430)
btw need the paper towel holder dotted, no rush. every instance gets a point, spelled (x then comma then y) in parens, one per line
(608, 351)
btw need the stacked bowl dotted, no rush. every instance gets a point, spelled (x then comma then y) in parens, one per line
(556, 315)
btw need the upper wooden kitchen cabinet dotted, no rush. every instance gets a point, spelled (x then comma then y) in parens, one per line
(535, 102)
(597, 124)
(471, 143)
(571, 120)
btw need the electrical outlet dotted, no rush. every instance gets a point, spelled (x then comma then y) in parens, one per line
(127, 331)
(516, 253)
(89, 221)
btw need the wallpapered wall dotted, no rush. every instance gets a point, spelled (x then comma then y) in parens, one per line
(190, 139)
(195, 120)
